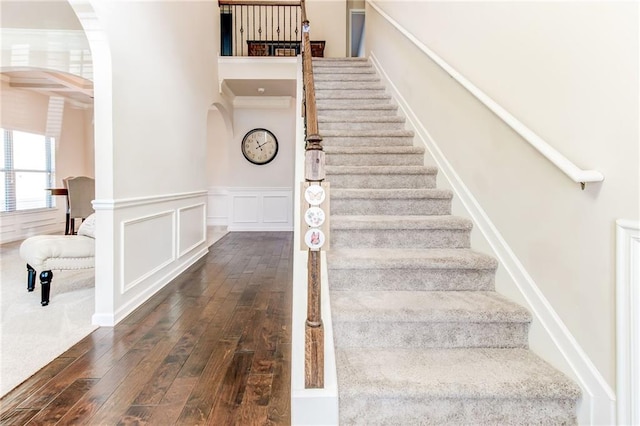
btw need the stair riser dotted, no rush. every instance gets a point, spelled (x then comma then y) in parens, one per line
(319, 63)
(358, 206)
(360, 126)
(367, 141)
(351, 95)
(381, 181)
(399, 238)
(374, 334)
(345, 85)
(374, 159)
(354, 103)
(412, 279)
(346, 77)
(392, 410)
(337, 71)
(382, 112)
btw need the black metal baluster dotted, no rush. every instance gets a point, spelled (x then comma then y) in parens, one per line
(260, 22)
(241, 31)
(297, 38)
(290, 32)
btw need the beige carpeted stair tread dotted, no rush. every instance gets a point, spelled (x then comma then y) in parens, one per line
(391, 194)
(352, 94)
(389, 222)
(381, 170)
(368, 141)
(450, 373)
(420, 306)
(373, 150)
(392, 258)
(394, 201)
(383, 106)
(352, 76)
(360, 119)
(336, 70)
(367, 133)
(348, 85)
(340, 62)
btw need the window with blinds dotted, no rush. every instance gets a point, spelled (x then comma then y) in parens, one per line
(28, 168)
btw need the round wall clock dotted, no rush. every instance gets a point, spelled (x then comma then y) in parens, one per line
(259, 146)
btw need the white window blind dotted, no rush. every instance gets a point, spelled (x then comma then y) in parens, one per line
(28, 161)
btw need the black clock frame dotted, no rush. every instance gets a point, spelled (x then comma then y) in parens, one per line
(259, 129)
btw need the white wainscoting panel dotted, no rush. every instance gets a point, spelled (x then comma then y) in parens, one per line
(142, 244)
(244, 208)
(192, 228)
(148, 245)
(628, 321)
(276, 208)
(251, 209)
(217, 207)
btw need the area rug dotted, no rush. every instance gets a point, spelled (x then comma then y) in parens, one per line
(31, 335)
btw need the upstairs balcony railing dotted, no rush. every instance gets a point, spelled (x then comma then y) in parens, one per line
(263, 28)
(260, 28)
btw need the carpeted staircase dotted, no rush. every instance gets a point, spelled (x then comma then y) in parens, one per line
(421, 336)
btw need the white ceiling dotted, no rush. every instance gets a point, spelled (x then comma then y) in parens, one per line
(249, 87)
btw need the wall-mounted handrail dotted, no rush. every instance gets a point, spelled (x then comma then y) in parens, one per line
(575, 173)
(314, 174)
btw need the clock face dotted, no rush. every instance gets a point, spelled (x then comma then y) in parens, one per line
(259, 146)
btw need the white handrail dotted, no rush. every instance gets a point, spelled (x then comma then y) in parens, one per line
(563, 163)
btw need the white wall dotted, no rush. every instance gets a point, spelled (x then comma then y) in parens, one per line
(569, 71)
(328, 19)
(155, 78)
(244, 196)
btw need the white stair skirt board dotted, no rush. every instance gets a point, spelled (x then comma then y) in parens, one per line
(406, 354)
(598, 400)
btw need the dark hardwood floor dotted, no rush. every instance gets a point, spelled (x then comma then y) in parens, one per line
(211, 348)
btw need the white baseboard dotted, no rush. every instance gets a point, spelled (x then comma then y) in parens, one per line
(598, 402)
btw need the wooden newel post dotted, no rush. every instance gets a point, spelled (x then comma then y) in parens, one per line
(314, 331)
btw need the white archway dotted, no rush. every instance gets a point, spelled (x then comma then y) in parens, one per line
(104, 169)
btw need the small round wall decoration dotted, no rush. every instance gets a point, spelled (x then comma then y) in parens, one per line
(314, 216)
(314, 238)
(314, 195)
